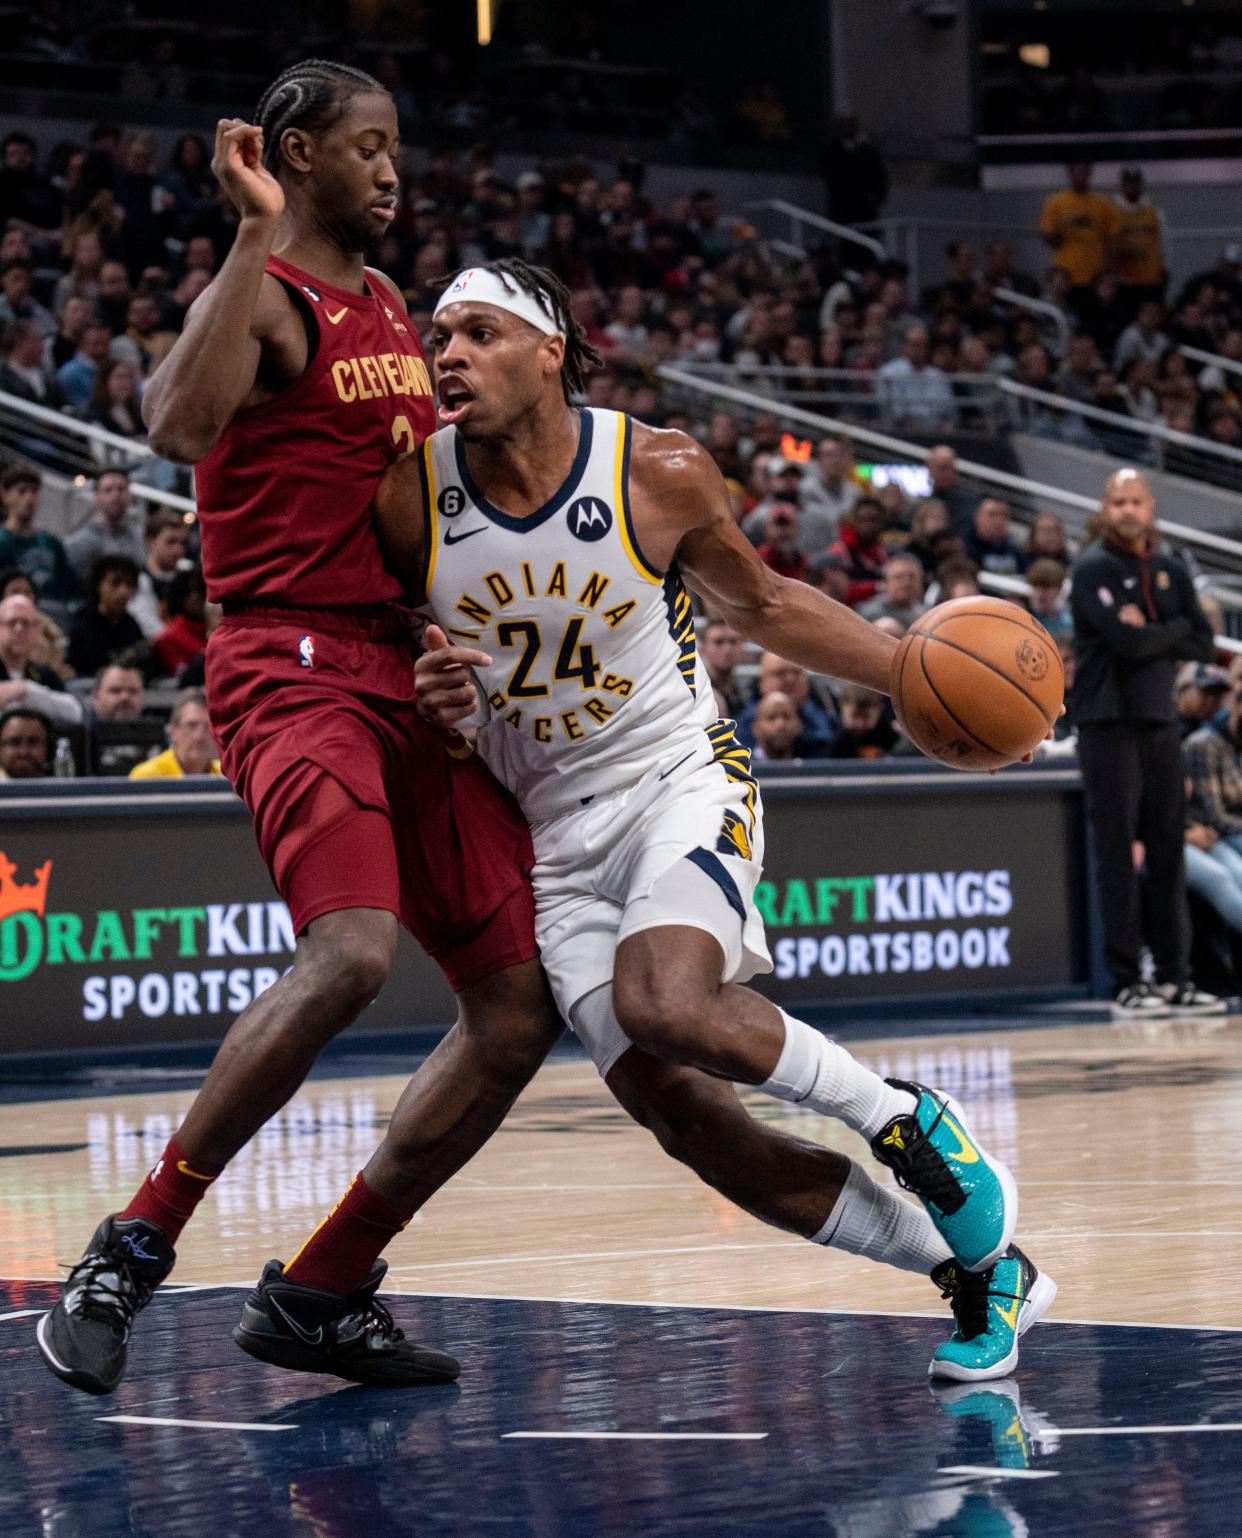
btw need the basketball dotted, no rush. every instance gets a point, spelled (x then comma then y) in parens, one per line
(978, 683)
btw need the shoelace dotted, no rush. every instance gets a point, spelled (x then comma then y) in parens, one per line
(88, 1293)
(375, 1319)
(969, 1296)
(919, 1168)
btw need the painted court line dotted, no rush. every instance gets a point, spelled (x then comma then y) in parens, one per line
(633, 1436)
(516, 1260)
(1064, 1235)
(24, 1313)
(1055, 1432)
(728, 1308)
(981, 1471)
(168, 1420)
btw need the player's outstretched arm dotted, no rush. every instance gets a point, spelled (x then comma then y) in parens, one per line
(685, 515)
(214, 363)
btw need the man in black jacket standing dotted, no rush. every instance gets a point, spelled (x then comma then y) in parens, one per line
(1136, 617)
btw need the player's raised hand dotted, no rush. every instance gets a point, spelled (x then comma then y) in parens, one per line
(238, 167)
(446, 691)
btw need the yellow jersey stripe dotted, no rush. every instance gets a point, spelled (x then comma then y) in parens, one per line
(621, 499)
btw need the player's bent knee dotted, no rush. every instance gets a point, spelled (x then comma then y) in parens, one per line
(350, 957)
(662, 1020)
(362, 974)
(511, 1016)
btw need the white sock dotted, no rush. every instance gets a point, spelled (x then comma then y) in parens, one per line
(817, 1073)
(868, 1220)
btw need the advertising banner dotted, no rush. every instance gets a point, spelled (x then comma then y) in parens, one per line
(118, 928)
(163, 927)
(874, 895)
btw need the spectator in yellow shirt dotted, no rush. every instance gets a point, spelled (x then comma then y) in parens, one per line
(193, 749)
(1080, 226)
(1138, 242)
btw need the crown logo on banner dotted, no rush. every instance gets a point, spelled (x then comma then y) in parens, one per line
(16, 898)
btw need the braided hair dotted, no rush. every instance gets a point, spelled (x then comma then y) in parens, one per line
(552, 297)
(309, 95)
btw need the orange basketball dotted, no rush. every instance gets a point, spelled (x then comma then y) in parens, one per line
(978, 683)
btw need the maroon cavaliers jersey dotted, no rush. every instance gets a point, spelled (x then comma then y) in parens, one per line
(284, 498)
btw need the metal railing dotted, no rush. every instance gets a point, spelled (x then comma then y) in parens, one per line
(918, 239)
(866, 395)
(1211, 359)
(984, 403)
(1046, 311)
(802, 218)
(1026, 496)
(1044, 412)
(1019, 588)
(78, 449)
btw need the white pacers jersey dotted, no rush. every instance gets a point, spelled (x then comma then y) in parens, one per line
(595, 677)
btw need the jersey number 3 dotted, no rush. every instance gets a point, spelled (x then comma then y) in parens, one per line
(573, 658)
(403, 436)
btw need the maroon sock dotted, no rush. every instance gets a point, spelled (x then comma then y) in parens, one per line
(170, 1193)
(339, 1255)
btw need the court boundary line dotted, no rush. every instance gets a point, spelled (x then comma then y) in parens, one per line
(715, 1308)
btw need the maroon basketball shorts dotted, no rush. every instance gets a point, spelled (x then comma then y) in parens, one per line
(357, 803)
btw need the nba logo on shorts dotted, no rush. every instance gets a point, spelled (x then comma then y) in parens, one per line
(306, 651)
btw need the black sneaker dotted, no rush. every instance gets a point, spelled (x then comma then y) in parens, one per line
(85, 1339)
(1186, 999)
(353, 1336)
(1138, 1001)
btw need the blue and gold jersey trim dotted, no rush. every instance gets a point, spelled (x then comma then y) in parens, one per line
(681, 626)
(621, 496)
(558, 499)
(736, 835)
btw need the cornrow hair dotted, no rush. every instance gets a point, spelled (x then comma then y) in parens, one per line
(552, 297)
(309, 95)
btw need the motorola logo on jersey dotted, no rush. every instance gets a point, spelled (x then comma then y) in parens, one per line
(589, 519)
(452, 500)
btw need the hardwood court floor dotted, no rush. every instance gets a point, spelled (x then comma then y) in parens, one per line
(1122, 1139)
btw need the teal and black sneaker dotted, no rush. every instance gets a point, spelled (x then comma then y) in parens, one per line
(992, 1310)
(970, 1196)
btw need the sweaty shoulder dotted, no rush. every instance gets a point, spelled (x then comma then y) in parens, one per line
(675, 488)
(666, 457)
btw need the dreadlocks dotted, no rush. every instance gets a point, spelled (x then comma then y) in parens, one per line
(309, 95)
(552, 297)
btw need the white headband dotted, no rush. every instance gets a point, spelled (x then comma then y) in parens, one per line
(478, 286)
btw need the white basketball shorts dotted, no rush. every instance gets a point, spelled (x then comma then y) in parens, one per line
(680, 847)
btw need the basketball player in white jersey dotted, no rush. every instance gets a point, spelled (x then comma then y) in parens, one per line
(549, 545)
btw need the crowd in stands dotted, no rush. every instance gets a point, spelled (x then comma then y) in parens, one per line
(102, 251)
(87, 625)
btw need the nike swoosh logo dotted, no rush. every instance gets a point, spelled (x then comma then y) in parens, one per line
(184, 1169)
(675, 767)
(963, 1153)
(455, 539)
(1010, 1315)
(315, 1339)
(340, 315)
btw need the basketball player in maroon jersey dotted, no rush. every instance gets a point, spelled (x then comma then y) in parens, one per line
(296, 382)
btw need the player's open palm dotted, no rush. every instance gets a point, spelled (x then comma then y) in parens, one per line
(238, 167)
